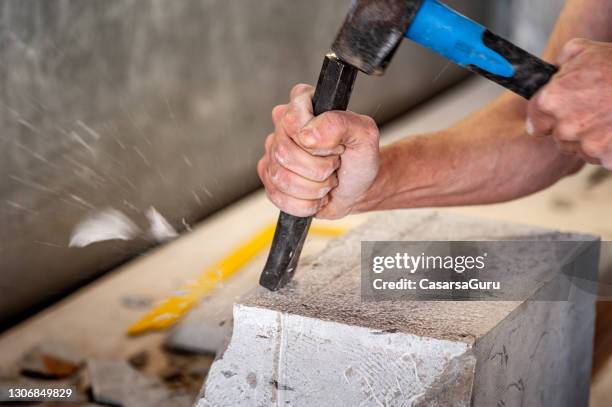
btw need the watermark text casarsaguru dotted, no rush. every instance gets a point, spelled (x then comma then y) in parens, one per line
(426, 284)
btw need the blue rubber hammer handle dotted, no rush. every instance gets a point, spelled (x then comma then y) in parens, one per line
(467, 43)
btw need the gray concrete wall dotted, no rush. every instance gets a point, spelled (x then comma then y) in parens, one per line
(526, 22)
(137, 103)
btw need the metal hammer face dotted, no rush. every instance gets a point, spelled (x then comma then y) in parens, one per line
(372, 31)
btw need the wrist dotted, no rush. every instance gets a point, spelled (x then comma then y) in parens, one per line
(373, 198)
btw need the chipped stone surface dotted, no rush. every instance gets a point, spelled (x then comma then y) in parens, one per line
(201, 336)
(316, 343)
(348, 365)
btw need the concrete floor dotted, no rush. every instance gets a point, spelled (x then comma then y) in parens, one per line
(99, 310)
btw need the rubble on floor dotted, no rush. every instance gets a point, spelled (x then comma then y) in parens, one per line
(112, 382)
(52, 360)
(118, 384)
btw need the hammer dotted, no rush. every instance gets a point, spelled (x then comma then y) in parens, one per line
(367, 40)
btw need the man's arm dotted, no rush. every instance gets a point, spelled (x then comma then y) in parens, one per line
(330, 165)
(487, 157)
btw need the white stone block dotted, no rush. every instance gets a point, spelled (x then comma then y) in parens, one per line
(316, 343)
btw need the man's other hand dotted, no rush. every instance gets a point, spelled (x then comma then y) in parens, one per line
(576, 106)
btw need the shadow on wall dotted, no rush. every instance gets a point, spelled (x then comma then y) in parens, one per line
(131, 104)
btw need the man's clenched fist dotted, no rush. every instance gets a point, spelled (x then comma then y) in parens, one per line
(318, 165)
(576, 106)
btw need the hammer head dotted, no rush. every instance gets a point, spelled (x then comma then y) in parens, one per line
(372, 31)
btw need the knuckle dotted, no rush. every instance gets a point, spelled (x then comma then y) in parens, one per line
(324, 169)
(321, 189)
(261, 168)
(276, 198)
(575, 43)
(334, 182)
(281, 154)
(269, 141)
(571, 49)
(299, 88)
(321, 173)
(329, 212)
(299, 207)
(277, 111)
(547, 101)
(290, 121)
(295, 90)
(331, 183)
(567, 131)
(322, 192)
(277, 178)
(285, 181)
(312, 207)
(370, 127)
(331, 166)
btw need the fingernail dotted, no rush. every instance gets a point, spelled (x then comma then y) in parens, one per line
(529, 127)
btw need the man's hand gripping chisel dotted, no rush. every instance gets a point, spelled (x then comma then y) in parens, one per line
(367, 40)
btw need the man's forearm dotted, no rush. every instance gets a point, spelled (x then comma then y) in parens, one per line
(328, 165)
(486, 158)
